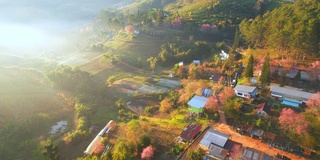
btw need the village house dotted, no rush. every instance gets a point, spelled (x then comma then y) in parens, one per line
(196, 104)
(196, 62)
(218, 145)
(224, 56)
(269, 137)
(190, 132)
(109, 127)
(245, 91)
(290, 96)
(256, 132)
(263, 109)
(253, 154)
(213, 143)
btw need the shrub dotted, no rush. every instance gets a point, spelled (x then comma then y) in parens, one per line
(75, 137)
(151, 109)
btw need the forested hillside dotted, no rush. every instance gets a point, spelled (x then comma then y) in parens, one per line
(292, 30)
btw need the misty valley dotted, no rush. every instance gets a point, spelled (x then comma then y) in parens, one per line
(159, 79)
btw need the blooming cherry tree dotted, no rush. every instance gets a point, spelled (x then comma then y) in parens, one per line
(314, 104)
(147, 153)
(177, 23)
(205, 28)
(212, 103)
(227, 93)
(291, 121)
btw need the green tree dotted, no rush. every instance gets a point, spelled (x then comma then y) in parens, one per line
(121, 152)
(143, 142)
(195, 155)
(50, 150)
(265, 73)
(112, 56)
(249, 68)
(295, 36)
(236, 39)
(153, 62)
(258, 122)
(298, 76)
(165, 54)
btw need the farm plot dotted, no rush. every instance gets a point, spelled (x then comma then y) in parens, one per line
(138, 105)
(128, 87)
(152, 89)
(168, 82)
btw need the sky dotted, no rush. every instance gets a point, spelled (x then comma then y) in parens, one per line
(37, 25)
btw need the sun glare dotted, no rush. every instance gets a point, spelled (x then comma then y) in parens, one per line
(23, 37)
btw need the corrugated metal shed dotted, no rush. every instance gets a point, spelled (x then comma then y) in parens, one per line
(198, 102)
(244, 88)
(290, 92)
(214, 137)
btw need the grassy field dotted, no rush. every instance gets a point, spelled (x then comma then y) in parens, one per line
(29, 107)
(25, 93)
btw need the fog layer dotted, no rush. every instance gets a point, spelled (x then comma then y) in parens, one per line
(34, 26)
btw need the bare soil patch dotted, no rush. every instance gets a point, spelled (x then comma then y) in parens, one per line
(253, 143)
(138, 105)
(126, 86)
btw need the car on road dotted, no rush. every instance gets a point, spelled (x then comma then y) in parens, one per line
(282, 156)
(233, 83)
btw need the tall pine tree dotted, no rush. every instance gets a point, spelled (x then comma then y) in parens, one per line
(236, 39)
(249, 68)
(265, 73)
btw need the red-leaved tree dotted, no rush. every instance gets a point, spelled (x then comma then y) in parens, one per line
(98, 147)
(293, 122)
(129, 29)
(212, 103)
(147, 153)
(314, 104)
(227, 93)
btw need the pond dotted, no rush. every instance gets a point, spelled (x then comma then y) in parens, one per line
(59, 127)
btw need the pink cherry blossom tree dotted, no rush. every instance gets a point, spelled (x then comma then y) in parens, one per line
(314, 69)
(314, 104)
(293, 122)
(227, 93)
(205, 28)
(177, 23)
(212, 103)
(147, 153)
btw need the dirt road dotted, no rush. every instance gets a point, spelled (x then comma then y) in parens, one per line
(253, 143)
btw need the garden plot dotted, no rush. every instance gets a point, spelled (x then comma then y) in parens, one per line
(168, 82)
(138, 105)
(72, 60)
(152, 89)
(128, 87)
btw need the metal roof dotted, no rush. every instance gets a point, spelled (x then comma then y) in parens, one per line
(214, 137)
(190, 132)
(244, 88)
(290, 92)
(198, 101)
